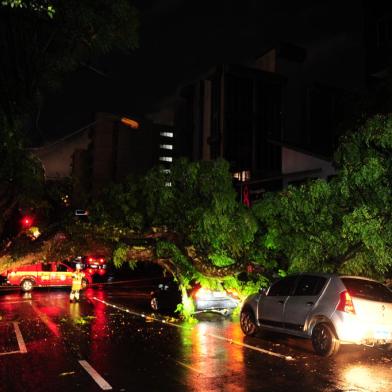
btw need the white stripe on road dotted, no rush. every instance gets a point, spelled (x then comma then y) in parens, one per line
(189, 367)
(287, 357)
(96, 376)
(272, 353)
(18, 302)
(19, 337)
(10, 352)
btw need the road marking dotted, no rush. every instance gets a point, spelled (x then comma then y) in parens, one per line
(287, 357)
(103, 384)
(10, 352)
(19, 337)
(51, 325)
(18, 302)
(268, 352)
(189, 367)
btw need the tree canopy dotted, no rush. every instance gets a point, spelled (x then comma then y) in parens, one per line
(190, 222)
(343, 225)
(42, 40)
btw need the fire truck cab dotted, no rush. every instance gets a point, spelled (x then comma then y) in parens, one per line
(50, 274)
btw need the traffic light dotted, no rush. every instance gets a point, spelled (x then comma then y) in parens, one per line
(27, 222)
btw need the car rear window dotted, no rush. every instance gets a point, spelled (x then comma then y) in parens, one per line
(367, 289)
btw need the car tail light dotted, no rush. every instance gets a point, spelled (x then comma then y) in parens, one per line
(346, 303)
(102, 272)
(233, 293)
(90, 259)
(90, 270)
(202, 293)
(101, 260)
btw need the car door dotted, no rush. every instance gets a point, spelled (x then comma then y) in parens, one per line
(302, 302)
(271, 307)
(45, 274)
(63, 275)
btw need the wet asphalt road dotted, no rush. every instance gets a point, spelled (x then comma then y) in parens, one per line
(126, 348)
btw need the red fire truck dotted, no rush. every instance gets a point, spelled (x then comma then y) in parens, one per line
(43, 275)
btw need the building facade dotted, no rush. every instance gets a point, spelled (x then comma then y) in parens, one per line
(106, 151)
(232, 113)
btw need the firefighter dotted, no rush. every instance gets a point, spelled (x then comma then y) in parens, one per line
(77, 279)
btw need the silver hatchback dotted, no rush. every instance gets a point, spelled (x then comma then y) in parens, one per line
(329, 309)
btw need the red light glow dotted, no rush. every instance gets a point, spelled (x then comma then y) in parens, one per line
(27, 221)
(346, 303)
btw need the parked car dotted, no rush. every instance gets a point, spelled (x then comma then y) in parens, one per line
(327, 308)
(167, 296)
(43, 275)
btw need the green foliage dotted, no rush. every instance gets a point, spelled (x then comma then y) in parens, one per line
(343, 225)
(245, 287)
(120, 255)
(119, 205)
(201, 204)
(39, 6)
(187, 307)
(18, 166)
(221, 260)
(40, 41)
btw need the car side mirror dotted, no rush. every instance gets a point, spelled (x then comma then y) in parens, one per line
(263, 291)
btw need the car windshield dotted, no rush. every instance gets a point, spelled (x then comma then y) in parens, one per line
(368, 289)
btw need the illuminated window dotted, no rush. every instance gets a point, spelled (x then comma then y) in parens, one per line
(167, 134)
(166, 159)
(166, 146)
(243, 175)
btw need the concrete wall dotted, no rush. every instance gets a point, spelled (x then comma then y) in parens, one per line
(56, 158)
(297, 165)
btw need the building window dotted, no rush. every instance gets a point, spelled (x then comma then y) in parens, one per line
(166, 171)
(167, 134)
(242, 176)
(166, 146)
(166, 159)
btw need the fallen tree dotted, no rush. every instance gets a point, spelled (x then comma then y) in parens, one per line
(196, 230)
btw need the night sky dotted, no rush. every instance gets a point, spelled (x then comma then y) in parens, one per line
(181, 39)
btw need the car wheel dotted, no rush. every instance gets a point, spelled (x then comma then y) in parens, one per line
(154, 303)
(84, 284)
(27, 285)
(324, 340)
(247, 322)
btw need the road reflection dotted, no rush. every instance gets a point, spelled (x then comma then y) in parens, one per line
(210, 360)
(368, 378)
(202, 356)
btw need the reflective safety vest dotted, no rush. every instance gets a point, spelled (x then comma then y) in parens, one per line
(77, 278)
